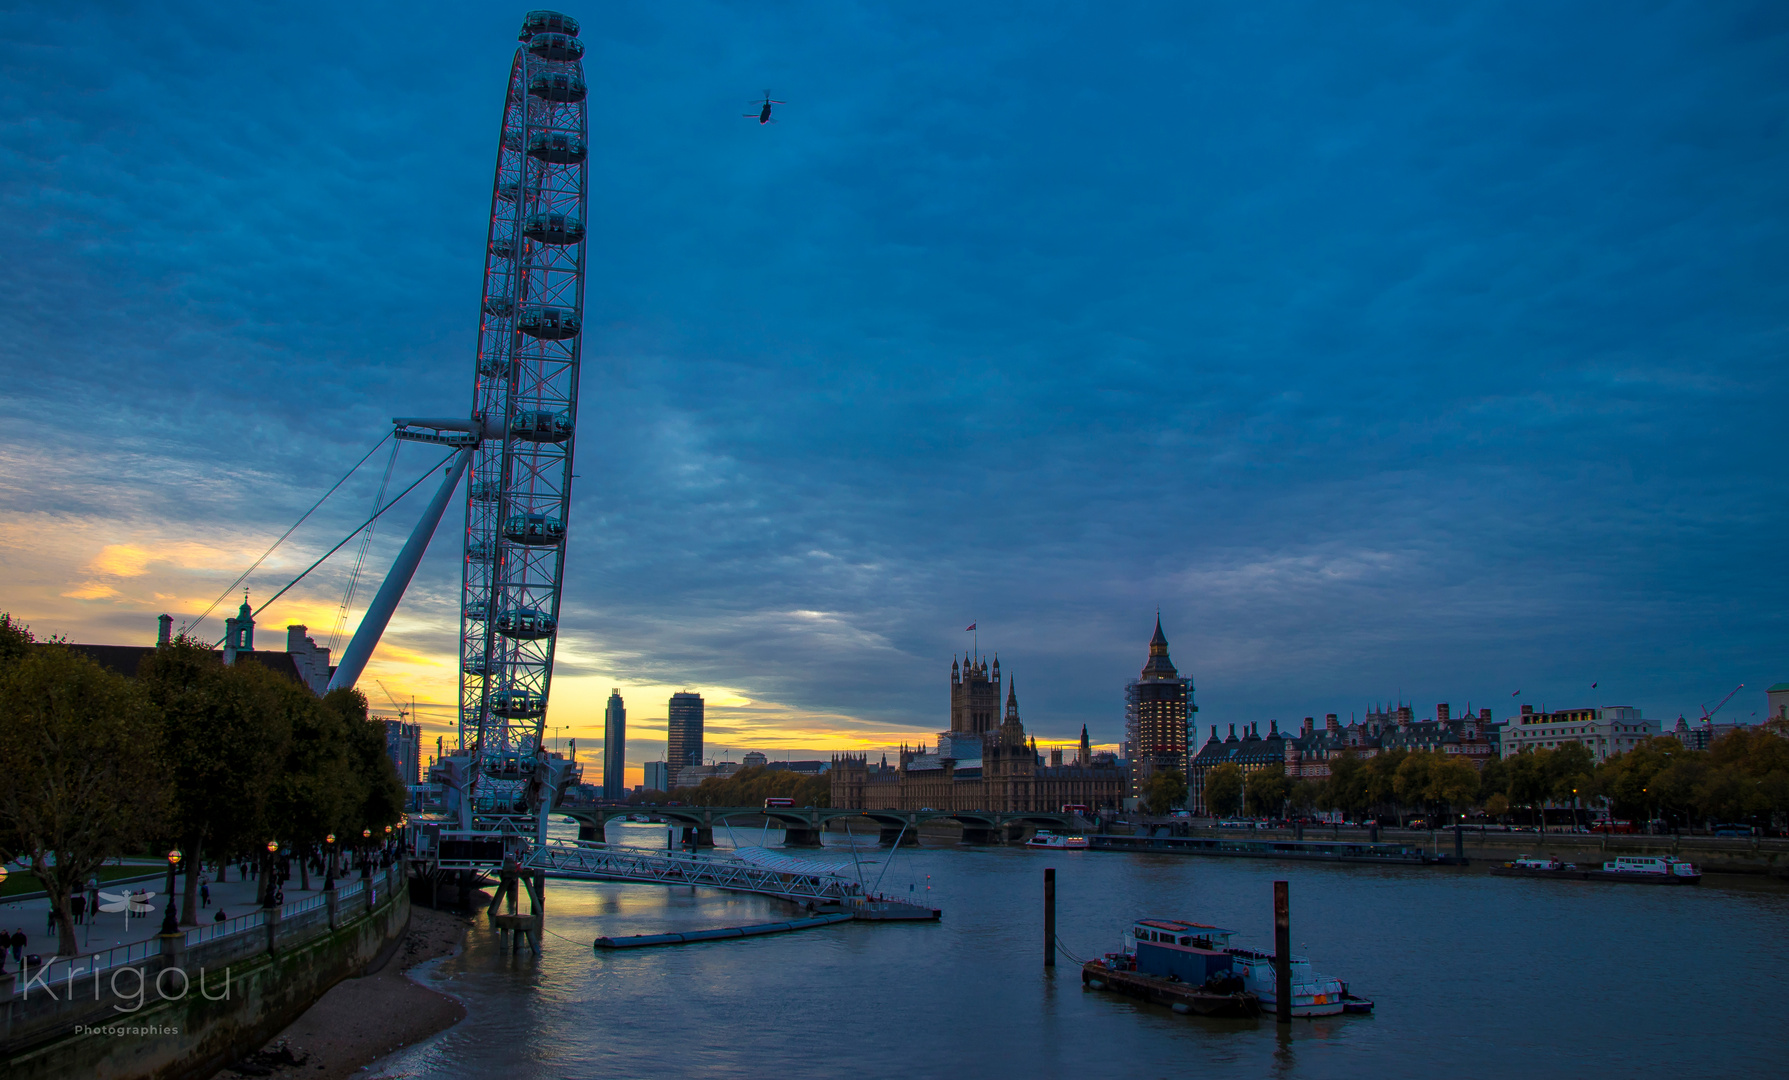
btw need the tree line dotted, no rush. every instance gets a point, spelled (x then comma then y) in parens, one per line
(751, 786)
(215, 761)
(1742, 777)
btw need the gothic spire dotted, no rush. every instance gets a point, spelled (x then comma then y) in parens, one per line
(1159, 666)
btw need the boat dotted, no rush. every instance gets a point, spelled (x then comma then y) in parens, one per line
(1047, 839)
(1201, 955)
(1635, 869)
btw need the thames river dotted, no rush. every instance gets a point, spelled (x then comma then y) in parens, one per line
(1472, 975)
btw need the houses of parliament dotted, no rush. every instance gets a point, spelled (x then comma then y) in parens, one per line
(985, 761)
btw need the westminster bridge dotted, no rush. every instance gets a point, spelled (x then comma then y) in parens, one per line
(803, 825)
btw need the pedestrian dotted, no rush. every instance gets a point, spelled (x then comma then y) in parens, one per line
(50, 928)
(18, 946)
(77, 906)
(220, 916)
(204, 894)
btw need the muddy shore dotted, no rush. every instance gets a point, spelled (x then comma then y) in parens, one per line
(361, 1020)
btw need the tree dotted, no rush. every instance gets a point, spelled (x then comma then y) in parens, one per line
(1412, 779)
(1223, 790)
(312, 787)
(225, 731)
(1528, 779)
(1305, 796)
(80, 768)
(751, 786)
(378, 795)
(1268, 791)
(1163, 791)
(1497, 805)
(1493, 781)
(1453, 782)
(1346, 789)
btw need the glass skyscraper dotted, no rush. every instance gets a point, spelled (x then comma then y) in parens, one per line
(683, 735)
(615, 748)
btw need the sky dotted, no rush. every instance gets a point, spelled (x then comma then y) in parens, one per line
(1391, 351)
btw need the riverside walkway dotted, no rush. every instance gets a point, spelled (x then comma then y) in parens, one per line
(113, 938)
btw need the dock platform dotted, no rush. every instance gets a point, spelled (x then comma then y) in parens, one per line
(1181, 997)
(722, 933)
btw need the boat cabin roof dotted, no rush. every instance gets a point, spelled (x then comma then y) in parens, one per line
(1178, 927)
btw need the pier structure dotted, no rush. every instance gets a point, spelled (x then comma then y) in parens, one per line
(782, 877)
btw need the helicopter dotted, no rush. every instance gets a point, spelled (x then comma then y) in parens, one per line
(763, 114)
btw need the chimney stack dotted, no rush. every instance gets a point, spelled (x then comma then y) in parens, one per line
(166, 634)
(1443, 713)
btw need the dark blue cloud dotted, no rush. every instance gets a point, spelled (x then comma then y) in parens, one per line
(1423, 349)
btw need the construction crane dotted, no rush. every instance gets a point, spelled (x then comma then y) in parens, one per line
(1708, 714)
(403, 713)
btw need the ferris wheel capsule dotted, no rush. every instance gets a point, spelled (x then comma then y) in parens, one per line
(556, 147)
(554, 229)
(541, 427)
(556, 47)
(555, 324)
(547, 22)
(534, 530)
(558, 86)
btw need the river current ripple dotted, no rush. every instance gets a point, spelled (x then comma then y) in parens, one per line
(1473, 976)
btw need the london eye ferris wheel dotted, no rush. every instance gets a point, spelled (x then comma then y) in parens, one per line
(525, 389)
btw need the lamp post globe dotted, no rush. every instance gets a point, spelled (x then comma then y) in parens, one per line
(174, 857)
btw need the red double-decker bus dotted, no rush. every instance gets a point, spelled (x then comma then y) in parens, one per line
(775, 802)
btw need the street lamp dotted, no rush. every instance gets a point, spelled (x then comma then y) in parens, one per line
(173, 861)
(171, 924)
(329, 862)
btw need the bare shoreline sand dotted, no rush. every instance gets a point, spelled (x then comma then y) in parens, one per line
(361, 1020)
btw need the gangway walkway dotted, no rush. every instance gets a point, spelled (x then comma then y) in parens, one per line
(786, 878)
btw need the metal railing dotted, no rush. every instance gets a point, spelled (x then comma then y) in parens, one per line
(299, 907)
(198, 935)
(59, 972)
(602, 862)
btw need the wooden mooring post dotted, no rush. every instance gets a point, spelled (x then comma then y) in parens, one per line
(1050, 917)
(1282, 944)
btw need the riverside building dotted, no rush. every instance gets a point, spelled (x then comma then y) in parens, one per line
(1606, 731)
(1306, 754)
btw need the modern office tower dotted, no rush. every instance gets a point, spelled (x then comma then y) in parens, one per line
(655, 777)
(683, 735)
(615, 748)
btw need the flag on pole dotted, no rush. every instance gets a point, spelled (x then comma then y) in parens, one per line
(1513, 693)
(968, 628)
(1593, 686)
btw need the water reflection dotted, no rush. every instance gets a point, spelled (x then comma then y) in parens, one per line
(1473, 976)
